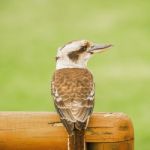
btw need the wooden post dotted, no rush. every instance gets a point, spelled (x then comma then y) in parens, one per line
(43, 130)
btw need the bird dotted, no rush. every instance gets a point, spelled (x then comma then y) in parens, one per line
(73, 88)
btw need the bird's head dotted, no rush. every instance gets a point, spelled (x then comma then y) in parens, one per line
(77, 53)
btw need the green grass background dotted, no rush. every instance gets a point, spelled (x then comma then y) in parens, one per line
(31, 31)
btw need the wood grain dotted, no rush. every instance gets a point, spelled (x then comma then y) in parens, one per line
(43, 130)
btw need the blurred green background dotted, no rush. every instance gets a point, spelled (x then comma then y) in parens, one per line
(32, 30)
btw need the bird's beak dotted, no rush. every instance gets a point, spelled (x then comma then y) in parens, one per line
(95, 48)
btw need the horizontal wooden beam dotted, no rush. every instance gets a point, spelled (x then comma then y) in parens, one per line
(43, 130)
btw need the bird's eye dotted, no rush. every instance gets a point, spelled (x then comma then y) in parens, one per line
(83, 48)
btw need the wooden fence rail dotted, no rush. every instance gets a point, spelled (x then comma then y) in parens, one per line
(43, 131)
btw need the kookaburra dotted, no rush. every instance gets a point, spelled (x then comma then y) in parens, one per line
(73, 88)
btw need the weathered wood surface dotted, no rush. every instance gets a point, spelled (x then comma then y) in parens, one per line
(43, 131)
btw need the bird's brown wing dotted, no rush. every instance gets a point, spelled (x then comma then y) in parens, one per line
(73, 91)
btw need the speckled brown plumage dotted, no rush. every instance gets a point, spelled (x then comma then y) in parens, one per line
(73, 92)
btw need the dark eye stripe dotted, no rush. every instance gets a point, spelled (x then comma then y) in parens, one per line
(83, 48)
(75, 54)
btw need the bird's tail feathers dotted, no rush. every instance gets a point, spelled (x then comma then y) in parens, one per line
(76, 140)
